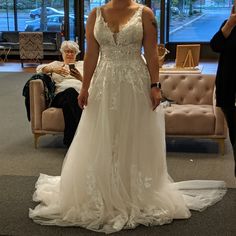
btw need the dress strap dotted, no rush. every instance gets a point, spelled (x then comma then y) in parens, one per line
(140, 10)
(98, 12)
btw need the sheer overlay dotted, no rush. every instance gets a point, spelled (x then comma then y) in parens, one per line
(114, 175)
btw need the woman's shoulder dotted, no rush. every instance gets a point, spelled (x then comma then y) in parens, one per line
(92, 14)
(147, 12)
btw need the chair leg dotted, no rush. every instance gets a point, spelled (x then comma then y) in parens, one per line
(22, 64)
(221, 143)
(36, 138)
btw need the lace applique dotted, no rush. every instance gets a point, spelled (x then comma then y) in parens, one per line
(95, 200)
(140, 182)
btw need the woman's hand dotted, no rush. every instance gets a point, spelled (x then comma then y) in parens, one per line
(230, 24)
(75, 73)
(61, 71)
(155, 97)
(83, 98)
(232, 18)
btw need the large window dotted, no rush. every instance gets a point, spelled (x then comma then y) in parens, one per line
(178, 20)
(157, 12)
(31, 15)
(196, 20)
(7, 15)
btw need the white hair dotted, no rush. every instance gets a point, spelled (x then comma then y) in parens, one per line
(70, 45)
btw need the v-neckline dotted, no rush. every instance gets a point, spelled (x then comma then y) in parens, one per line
(121, 27)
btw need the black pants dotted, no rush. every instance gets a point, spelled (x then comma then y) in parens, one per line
(67, 100)
(230, 116)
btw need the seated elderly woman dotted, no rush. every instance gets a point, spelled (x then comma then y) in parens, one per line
(67, 78)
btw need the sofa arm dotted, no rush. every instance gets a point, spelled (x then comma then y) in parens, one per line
(37, 103)
(220, 121)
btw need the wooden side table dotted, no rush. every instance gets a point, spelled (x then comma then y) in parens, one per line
(4, 52)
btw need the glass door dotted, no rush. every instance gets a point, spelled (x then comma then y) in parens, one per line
(156, 7)
(71, 21)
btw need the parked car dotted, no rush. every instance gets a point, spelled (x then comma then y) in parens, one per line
(36, 13)
(174, 10)
(54, 23)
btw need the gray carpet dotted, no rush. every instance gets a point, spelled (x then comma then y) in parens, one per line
(20, 165)
(16, 195)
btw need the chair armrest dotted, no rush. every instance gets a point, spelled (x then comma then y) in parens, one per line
(37, 103)
(220, 128)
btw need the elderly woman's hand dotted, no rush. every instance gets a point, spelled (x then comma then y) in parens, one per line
(61, 71)
(75, 73)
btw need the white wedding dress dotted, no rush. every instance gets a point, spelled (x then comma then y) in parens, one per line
(114, 175)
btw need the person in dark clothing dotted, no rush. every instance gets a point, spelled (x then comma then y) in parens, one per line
(224, 43)
(67, 80)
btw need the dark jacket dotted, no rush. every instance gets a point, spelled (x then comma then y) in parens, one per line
(226, 72)
(49, 89)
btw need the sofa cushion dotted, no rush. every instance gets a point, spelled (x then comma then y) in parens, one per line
(53, 120)
(10, 36)
(49, 36)
(190, 119)
(49, 46)
(1, 38)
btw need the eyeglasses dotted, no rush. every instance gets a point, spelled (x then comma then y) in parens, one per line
(69, 51)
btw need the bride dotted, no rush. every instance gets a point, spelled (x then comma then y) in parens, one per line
(114, 175)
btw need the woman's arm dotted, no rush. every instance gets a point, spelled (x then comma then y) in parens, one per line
(47, 68)
(92, 51)
(90, 59)
(151, 53)
(150, 44)
(53, 67)
(218, 41)
(229, 25)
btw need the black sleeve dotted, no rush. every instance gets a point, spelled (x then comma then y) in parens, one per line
(217, 42)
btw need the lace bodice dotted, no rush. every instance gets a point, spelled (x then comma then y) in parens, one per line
(124, 45)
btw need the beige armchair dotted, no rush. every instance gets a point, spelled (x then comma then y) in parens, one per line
(44, 120)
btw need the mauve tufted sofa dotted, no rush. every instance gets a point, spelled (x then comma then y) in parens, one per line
(193, 113)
